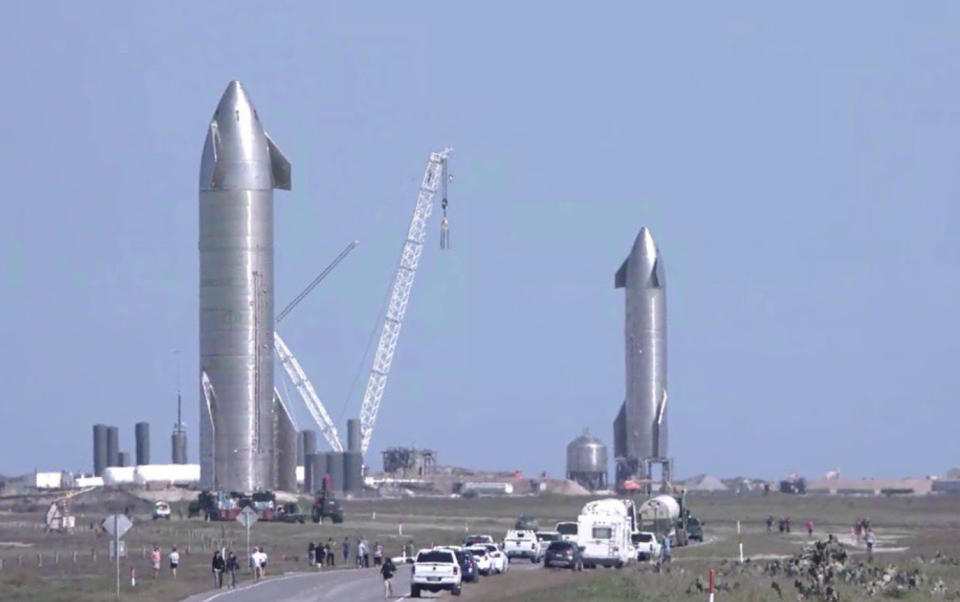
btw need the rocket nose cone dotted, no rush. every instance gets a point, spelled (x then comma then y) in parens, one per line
(645, 246)
(234, 99)
(235, 153)
(646, 261)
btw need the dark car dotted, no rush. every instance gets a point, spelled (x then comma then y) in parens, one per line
(694, 529)
(563, 554)
(468, 566)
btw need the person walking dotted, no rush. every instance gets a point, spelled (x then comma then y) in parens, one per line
(666, 548)
(255, 563)
(218, 566)
(155, 558)
(377, 554)
(263, 562)
(174, 558)
(346, 549)
(232, 566)
(387, 571)
(363, 553)
(809, 528)
(871, 540)
(769, 524)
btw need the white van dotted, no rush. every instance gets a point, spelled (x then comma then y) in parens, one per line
(604, 533)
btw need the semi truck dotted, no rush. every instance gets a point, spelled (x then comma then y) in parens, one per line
(666, 516)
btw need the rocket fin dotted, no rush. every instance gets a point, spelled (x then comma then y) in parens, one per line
(620, 280)
(279, 165)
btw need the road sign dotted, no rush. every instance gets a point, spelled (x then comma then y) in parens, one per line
(247, 517)
(117, 525)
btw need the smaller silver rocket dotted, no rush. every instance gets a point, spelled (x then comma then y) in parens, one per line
(640, 429)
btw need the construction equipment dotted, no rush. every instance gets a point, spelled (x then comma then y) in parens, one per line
(300, 381)
(315, 282)
(434, 176)
(327, 505)
(293, 369)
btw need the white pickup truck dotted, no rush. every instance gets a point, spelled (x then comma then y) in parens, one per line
(646, 545)
(435, 570)
(522, 544)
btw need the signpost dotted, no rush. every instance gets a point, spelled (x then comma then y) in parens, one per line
(246, 518)
(117, 525)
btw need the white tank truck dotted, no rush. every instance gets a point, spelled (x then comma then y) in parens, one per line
(605, 531)
(665, 516)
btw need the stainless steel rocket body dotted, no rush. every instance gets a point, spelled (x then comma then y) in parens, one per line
(640, 430)
(239, 170)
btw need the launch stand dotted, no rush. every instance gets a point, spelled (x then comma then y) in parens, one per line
(666, 471)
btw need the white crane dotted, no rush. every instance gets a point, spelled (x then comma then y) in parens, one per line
(434, 176)
(299, 379)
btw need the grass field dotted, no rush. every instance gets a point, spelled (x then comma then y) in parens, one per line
(39, 566)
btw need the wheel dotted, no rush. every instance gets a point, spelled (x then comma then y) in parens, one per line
(580, 566)
(456, 590)
(414, 591)
(316, 515)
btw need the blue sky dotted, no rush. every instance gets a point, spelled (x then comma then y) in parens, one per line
(797, 164)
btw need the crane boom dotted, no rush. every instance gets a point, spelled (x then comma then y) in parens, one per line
(433, 176)
(316, 281)
(299, 379)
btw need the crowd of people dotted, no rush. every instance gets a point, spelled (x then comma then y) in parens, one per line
(324, 554)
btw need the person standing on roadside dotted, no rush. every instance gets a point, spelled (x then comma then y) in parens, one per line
(666, 549)
(174, 558)
(321, 553)
(218, 566)
(331, 549)
(345, 548)
(809, 528)
(311, 554)
(155, 558)
(233, 565)
(377, 554)
(387, 571)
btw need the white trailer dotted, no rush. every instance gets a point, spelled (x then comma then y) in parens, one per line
(604, 532)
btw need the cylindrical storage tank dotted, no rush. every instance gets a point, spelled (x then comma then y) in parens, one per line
(587, 462)
(309, 481)
(335, 470)
(286, 452)
(318, 467)
(178, 447)
(352, 472)
(142, 432)
(309, 442)
(353, 435)
(99, 449)
(113, 446)
(123, 459)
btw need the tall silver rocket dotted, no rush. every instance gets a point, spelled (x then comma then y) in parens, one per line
(238, 172)
(640, 429)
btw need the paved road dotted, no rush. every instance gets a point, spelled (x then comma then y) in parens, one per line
(355, 585)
